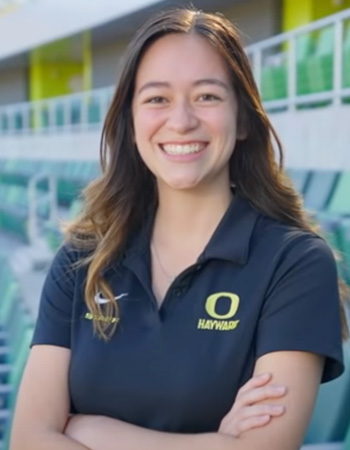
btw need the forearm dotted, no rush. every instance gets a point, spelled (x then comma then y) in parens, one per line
(45, 440)
(104, 433)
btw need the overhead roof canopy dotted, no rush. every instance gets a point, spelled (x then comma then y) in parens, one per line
(26, 24)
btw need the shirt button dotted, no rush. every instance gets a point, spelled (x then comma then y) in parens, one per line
(199, 266)
(177, 292)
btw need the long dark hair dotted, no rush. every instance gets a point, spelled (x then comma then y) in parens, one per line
(125, 194)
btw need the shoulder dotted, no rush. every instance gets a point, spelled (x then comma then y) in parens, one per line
(67, 263)
(284, 242)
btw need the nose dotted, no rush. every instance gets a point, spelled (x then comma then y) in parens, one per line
(182, 118)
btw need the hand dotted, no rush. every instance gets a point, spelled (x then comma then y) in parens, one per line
(247, 412)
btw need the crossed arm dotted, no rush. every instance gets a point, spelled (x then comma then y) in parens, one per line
(43, 406)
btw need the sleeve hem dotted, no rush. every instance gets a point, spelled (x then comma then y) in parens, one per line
(334, 365)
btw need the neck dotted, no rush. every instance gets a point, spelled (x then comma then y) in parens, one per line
(189, 217)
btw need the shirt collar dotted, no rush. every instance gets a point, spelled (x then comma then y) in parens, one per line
(230, 241)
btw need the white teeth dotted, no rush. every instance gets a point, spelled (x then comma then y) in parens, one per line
(176, 149)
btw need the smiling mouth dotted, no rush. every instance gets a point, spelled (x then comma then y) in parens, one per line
(183, 149)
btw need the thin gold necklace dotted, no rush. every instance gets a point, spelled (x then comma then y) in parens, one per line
(169, 277)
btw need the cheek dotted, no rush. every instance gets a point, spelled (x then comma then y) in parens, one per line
(224, 125)
(146, 124)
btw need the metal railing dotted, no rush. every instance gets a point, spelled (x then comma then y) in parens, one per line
(301, 68)
(305, 67)
(75, 112)
(37, 198)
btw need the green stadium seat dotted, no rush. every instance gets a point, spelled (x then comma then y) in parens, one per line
(59, 114)
(330, 226)
(274, 84)
(14, 210)
(346, 57)
(8, 392)
(304, 49)
(319, 189)
(94, 113)
(340, 201)
(4, 122)
(344, 244)
(320, 64)
(44, 116)
(331, 415)
(18, 121)
(75, 111)
(73, 178)
(300, 178)
(347, 439)
(9, 292)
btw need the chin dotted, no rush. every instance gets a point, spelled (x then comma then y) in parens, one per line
(183, 184)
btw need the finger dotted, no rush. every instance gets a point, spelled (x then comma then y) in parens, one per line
(242, 426)
(232, 421)
(262, 410)
(262, 393)
(253, 422)
(255, 396)
(255, 381)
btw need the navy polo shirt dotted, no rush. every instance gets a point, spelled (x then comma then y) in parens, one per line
(259, 286)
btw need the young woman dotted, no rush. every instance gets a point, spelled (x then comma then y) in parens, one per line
(188, 306)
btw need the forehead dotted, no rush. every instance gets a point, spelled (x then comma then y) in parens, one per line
(181, 56)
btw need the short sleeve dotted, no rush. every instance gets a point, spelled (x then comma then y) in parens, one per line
(301, 311)
(53, 325)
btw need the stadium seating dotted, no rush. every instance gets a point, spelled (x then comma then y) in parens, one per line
(304, 49)
(330, 420)
(340, 201)
(320, 63)
(300, 179)
(315, 64)
(15, 176)
(16, 327)
(320, 189)
(326, 197)
(344, 244)
(346, 57)
(274, 83)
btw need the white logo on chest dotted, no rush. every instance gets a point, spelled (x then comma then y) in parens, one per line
(102, 301)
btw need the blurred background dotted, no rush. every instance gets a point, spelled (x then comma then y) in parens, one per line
(59, 64)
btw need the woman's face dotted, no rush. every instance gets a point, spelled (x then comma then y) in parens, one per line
(185, 113)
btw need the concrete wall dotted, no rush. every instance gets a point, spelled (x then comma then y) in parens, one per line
(105, 62)
(315, 139)
(13, 85)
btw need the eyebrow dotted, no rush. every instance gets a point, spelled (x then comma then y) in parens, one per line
(201, 82)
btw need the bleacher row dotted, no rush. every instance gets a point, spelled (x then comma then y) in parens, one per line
(315, 65)
(15, 176)
(16, 329)
(326, 194)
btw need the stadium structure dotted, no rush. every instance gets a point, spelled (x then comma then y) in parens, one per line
(59, 64)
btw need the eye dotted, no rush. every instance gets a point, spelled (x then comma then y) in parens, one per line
(209, 98)
(156, 100)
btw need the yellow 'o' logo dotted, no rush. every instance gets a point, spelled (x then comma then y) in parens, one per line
(210, 305)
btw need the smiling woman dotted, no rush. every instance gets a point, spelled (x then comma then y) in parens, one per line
(186, 308)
